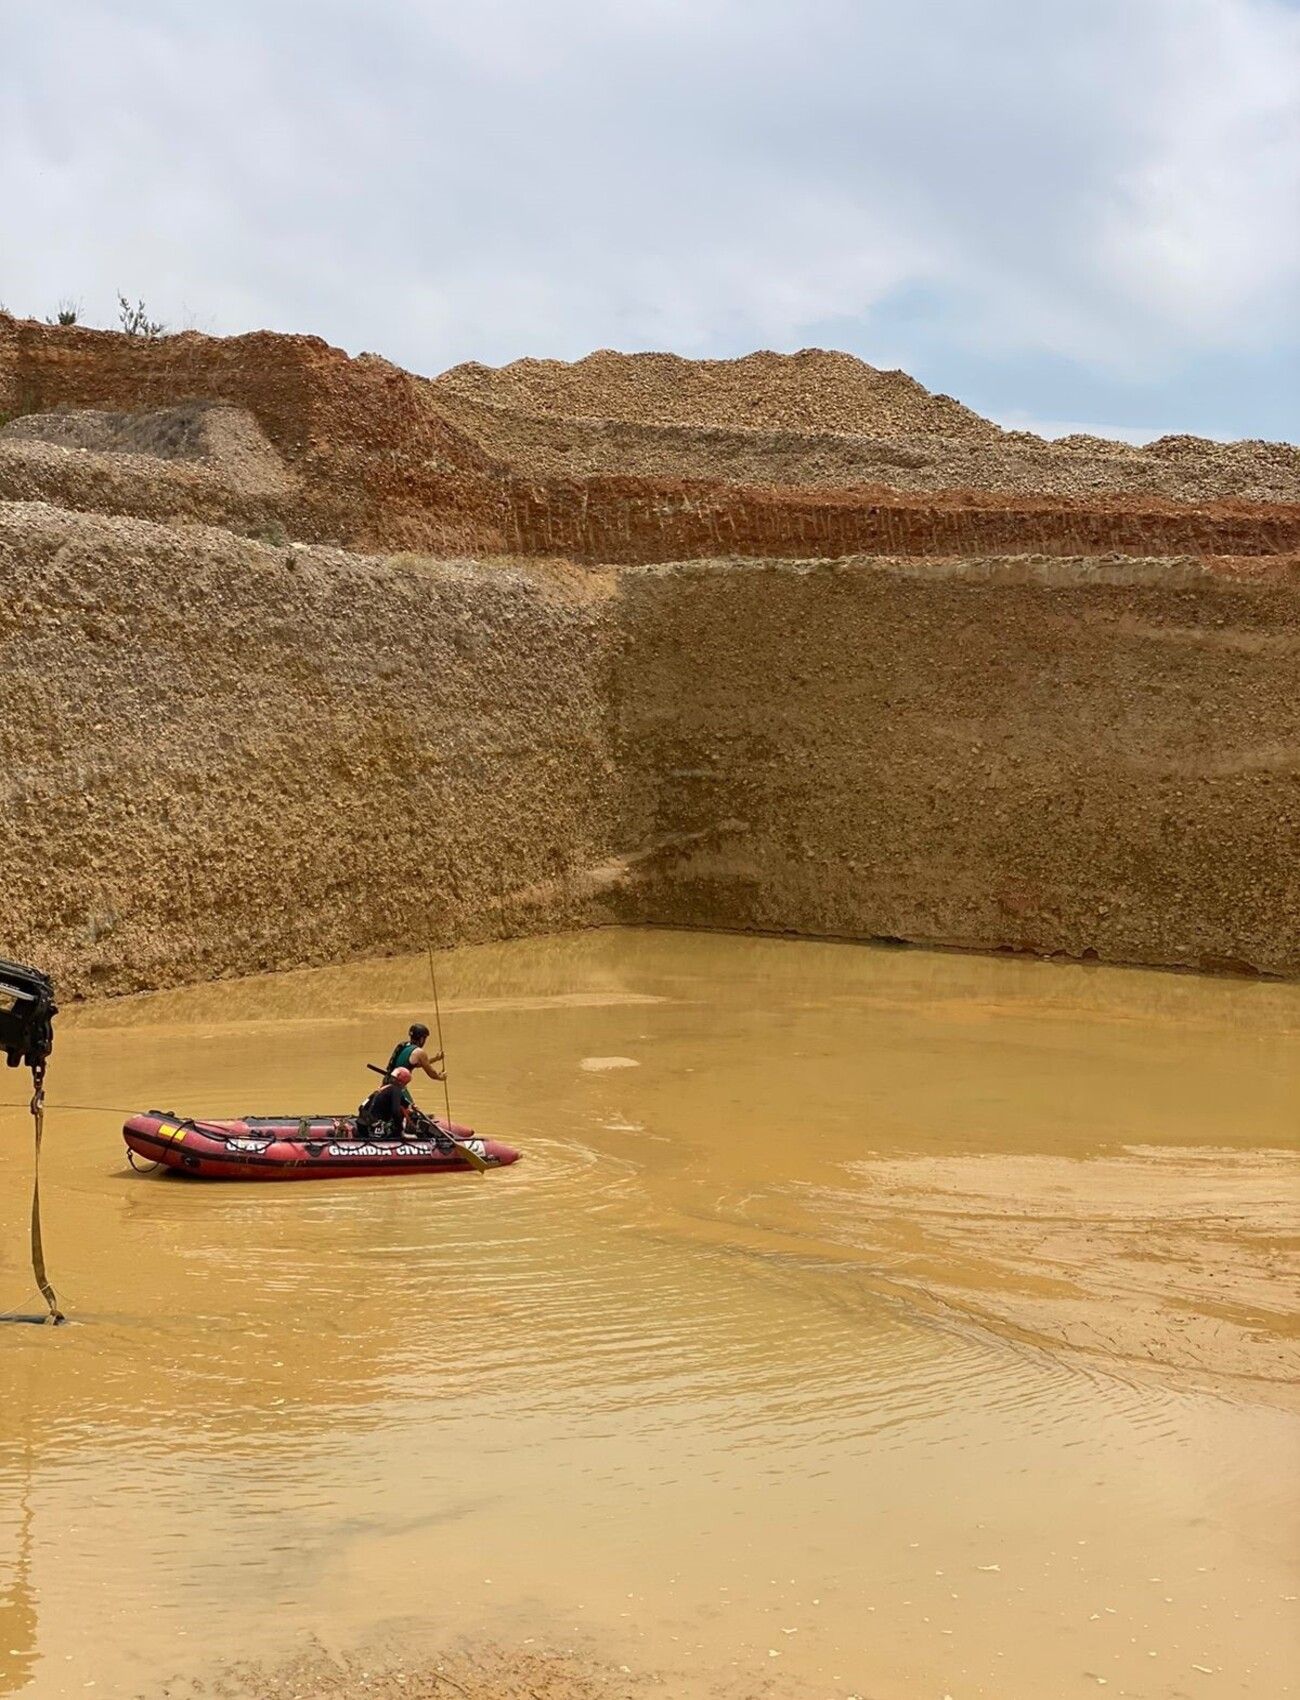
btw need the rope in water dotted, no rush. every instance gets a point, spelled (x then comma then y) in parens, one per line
(18, 1313)
(102, 1109)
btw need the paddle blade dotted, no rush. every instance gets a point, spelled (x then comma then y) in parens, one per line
(472, 1157)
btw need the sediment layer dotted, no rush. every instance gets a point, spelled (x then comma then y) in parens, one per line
(302, 655)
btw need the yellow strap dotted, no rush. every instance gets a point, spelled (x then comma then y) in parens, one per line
(38, 1250)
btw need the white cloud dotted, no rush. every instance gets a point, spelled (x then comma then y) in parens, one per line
(1114, 183)
(1203, 229)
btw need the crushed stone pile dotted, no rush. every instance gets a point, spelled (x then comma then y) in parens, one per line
(273, 434)
(1180, 469)
(224, 440)
(816, 419)
(814, 390)
(171, 433)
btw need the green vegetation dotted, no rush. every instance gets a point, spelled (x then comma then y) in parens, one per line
(135, 321)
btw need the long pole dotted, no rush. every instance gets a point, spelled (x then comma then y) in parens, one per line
(437, 1014)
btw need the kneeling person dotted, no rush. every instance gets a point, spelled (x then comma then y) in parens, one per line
(384, 1113)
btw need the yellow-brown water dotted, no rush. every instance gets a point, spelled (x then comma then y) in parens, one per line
(859, 1322)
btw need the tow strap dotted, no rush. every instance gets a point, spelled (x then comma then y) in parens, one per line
(27, 1011)
(38, 1248)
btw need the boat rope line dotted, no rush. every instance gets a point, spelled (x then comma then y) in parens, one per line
(99, 1109)
(38, 1247)
(18, 1313)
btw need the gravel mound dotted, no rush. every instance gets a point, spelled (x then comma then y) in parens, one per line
(816, 419)
(1181, 469)
(815, 390)
(173, 433)
(224, 440)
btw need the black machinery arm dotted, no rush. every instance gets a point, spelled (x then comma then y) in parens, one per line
(27, 1011)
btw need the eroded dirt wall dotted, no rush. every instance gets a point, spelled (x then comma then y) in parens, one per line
(1058, 756)
(373, 462)
(218, 757)
(631, 520)
(309, 397)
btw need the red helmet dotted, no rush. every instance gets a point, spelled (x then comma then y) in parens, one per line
(401, 1075)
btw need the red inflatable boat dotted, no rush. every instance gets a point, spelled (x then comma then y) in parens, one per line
(307, 1148)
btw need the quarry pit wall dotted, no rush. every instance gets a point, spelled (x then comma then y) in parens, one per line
(1077, 757)
(949, 717)
(220, 757)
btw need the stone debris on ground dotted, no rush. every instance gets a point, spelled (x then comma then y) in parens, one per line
(1186, 469)
(817, 389)
(282, 436)
(821, 418)
(227, 443)
(399, 1667)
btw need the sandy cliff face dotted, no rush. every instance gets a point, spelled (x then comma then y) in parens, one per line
(1003, 696)
(368, 461)
(218, 756)
(1052, 755)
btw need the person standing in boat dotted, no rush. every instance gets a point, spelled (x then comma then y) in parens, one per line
(412, 1054)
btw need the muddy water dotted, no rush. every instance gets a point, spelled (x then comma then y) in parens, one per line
(860, 1322)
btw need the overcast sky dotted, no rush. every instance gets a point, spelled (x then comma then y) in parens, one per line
(1062, 211)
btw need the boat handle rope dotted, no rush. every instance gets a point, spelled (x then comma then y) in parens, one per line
(100, 1109)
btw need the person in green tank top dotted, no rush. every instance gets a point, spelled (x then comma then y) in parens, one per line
(412, 1054)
